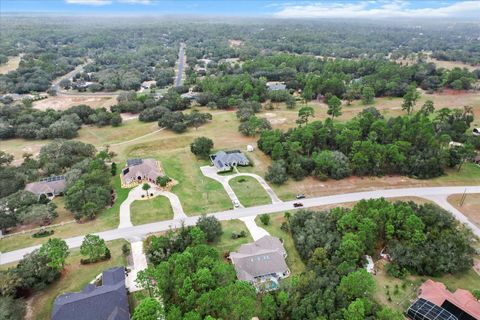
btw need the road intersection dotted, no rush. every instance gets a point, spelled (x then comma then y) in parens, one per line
(436, 194)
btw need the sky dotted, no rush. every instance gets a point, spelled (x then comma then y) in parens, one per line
(349, 9)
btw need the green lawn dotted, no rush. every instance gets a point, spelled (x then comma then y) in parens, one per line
(226, 243)
(108, 219)
(74, 278)
(294, 261)
(152, 210)
(249, 191)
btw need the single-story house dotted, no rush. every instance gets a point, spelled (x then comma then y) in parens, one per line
(226, 160)
(106, 302)
(261, 262)
(50, 187)
(435, 299)
(275, 86)
(140, 170)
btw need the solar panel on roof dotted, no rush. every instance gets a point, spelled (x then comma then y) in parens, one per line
(425, 310)
(134, 162)
(52, 178)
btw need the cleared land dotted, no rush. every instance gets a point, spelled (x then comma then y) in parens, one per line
(226, 244)
(11, 65)
(65, 102)
(470, 207)
(249, 191)
(73, 279)
(294, 261)
(147, 211)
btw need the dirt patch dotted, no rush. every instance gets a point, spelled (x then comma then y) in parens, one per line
(10, 65)
(470, 206)
(235, 43)
(65, 102)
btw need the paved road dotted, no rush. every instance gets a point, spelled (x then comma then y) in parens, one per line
(181, 62)
(437, 194)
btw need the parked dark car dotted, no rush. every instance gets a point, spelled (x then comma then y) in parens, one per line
(300, 196)
(298, 204)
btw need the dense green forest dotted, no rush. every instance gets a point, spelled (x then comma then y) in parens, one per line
(122, 55)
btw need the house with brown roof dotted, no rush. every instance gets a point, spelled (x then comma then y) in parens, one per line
(49, 187)
(140, 170)
(434, 299)
(261, 263)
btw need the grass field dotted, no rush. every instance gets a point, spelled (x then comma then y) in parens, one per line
(294, 261)
(108, 219)
(249, 191)
(10, 65)
(147, 211)
(73, 279)
(470, 207)
(226, 243)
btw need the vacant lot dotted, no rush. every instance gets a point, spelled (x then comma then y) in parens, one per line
(65, 102)
(153, 210)
(226, 243)
(73, 279)
(249, 191)
(10, 65)
(294, 261)
(470, 206)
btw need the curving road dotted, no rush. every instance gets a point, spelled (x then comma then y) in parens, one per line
(437, 194)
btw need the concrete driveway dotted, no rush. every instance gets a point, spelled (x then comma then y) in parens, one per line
(137, 193)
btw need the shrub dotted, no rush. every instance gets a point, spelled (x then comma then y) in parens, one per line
(126, 249)
(42, 233)
(265, 219)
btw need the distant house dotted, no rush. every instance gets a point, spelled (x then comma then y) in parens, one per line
(140, 170)
(275, 86)
(50, 187)
(477, 159)
(261, 263)
(435, 301)
(227, 160)
(106, 302)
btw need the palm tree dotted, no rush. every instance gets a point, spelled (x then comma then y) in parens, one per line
(146, 187)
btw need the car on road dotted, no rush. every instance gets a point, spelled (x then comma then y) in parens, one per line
(300, 196)
(236, 204)
(298, 204)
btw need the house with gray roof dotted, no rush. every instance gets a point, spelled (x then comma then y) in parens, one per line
(50, 187)
(106, 302)
(261, 263)
(276, 86)
(227, 160)
(140, 170)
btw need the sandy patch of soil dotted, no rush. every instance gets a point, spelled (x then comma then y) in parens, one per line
(235, 43)
(65, 102)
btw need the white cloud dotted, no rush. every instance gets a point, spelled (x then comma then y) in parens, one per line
(136, 1)
(90, 2)
(364, 9)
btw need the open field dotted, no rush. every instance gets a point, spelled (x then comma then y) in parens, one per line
(226, 243)
(440, 63)
(249, 191)
(147, 211)
(10, 65)
(108, 219)
(294, 261)
(73, 279)
(470, 207)
(65, 102)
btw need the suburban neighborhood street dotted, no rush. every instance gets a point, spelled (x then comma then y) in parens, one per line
(181, 63)
(435, 194)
